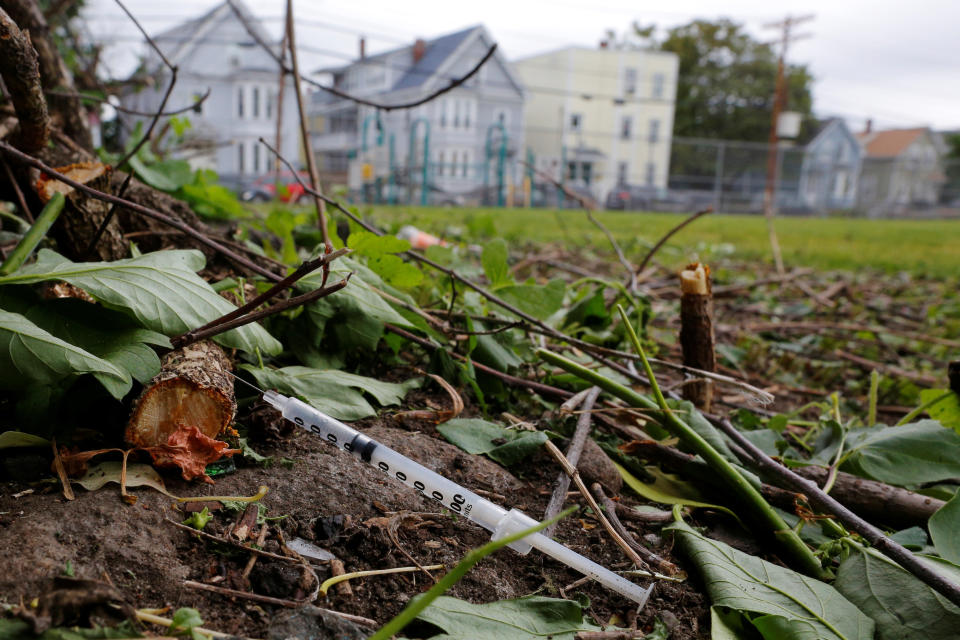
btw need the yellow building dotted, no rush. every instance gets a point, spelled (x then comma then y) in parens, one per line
(603, 117)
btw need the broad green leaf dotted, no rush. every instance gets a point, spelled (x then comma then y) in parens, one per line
(395, 271)
(370, 244)
(541, 302)
(902, 607)
(913, 538)
(689, 413)
(161, 290)
(14, 439)
(30, 356)
(506, 446)
(494, 261)
(336, 393)
(944, 528)
(726, 625)
(912, 454)
(777, 602)
(946, 411)
(530, 618)
(165, 175)
(490, 351)
(668, 489)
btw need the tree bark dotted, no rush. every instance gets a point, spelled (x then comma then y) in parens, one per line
(66, 111)
(18, 67)
(696, 331)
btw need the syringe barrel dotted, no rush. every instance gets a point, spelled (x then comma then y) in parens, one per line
(427, 483)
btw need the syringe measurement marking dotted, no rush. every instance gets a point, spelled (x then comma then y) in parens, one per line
(458, 500)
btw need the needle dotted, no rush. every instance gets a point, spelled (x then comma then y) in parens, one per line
(252, 386)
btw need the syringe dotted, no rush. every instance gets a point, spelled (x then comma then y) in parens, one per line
(452, 496)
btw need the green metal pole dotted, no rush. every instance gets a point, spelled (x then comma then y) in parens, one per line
(391, 180)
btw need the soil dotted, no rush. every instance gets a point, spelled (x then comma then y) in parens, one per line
(335, 501)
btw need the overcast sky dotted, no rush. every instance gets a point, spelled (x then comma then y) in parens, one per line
(896, 62)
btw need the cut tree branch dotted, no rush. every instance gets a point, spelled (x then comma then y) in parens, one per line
(21, 75)
(667, 236)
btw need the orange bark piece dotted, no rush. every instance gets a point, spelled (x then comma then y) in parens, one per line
(191, 450)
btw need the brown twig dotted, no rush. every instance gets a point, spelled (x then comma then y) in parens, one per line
(574, 450)
(220, 326)
(667, 236)
(649, 557)
(800, 325)
(19, 68)
(61, 472)
(575, 476)
(21, 201)
(253, 556)
(231, 543)
(824, 502)
(888, 369)
(133, 112)
(454, 83)
(303, 270)
(138, 208)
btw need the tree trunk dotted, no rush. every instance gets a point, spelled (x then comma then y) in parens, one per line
(18, 67)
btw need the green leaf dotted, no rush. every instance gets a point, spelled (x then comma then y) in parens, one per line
(369, 244)
(209, 199)
(944, 526)
(913, 538)
(778, 602)
(668, 488)
(199, 519)
(947, 411)
(30, 356)
(506, 446)
(395, 271)
(529, 618)
(494, 261)
(336, 393)
(911, 454)
(185, 619)
(161, 290)
(541, 302)
(903, 607)
(165, 175)
(15, 439)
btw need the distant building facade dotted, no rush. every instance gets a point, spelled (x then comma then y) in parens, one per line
(215, 52)
(601, 118)
(456, 148)
(830, 169)
(902, 171)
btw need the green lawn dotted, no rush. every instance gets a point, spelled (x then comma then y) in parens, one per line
(919, 246)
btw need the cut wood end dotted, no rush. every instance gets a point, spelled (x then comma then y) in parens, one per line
(695, 279)
(82, 172)
(168, 405)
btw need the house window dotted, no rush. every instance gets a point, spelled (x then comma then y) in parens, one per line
(571, 171)
(651, 173)
(470, 106)
(576, 122)
(654, 130)
(622, 170)
(503, 118)
(271, 96)
(630, 81)
(241, 163)
(453, 163)
(626, 124)
(256, 159)
(443, 113)
(440, 164)
(456, 115)
(586, 171)
(256, 102)
(658, 81)
(240, 92)
(466, 163)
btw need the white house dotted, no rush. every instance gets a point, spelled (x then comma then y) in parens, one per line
(446, 150)
(599, 118)
(215, 52)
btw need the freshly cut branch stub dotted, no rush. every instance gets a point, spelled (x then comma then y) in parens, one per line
(184, 408)
(83, 214)
(696, 331)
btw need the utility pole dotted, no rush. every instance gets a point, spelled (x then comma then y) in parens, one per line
(779, 97)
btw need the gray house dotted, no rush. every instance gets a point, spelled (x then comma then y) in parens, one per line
(450, 150)
(830, 168)
(902, 171)
(215, 52)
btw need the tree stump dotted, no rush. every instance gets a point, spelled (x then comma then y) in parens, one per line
(696, 331)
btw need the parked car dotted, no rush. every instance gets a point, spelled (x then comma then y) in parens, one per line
(645, 198)
(282, 186)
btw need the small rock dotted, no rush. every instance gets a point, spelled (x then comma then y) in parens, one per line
(312, 623)
(276, 580)
(669, 619)
(329, 527)
(596, 466)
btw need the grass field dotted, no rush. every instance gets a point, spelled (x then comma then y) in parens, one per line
(922, 247)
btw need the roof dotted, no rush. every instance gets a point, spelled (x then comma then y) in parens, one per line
(436, 53)
(179, 40)
(889, 143)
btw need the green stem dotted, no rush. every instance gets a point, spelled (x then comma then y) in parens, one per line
(762, 511)
(926, 405)
(413, 609)
(872, 395)
(34, 235)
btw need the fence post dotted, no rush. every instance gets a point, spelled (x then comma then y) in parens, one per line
(718, 177)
